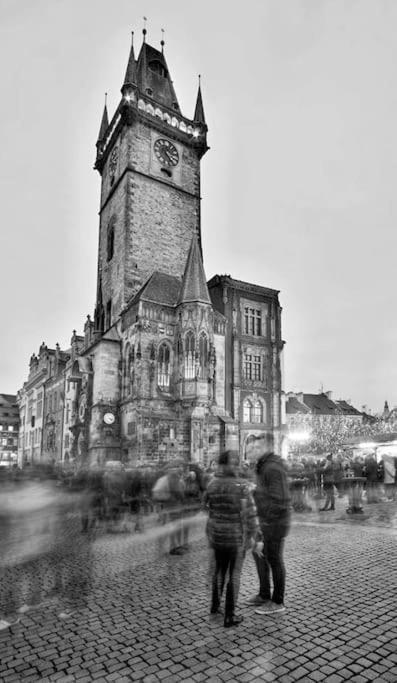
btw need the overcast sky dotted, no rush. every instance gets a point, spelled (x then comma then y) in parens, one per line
(299, 186)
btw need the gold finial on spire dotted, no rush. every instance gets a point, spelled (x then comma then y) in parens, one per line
(162, 40)
(144, 31)
(106, 98)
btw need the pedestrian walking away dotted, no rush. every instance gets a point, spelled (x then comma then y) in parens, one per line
(272, 499)
(232, 527)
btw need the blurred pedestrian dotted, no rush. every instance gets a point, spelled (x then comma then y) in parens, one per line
(272, 498)
(232, 527)
(328, 484)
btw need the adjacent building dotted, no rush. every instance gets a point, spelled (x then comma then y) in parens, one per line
(9, 426)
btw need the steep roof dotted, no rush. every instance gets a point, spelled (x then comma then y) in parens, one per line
(160, 288)
(152, 73)
(347, 409)
(320, 404)
(194, 285)
(294, 406)
(9, 399)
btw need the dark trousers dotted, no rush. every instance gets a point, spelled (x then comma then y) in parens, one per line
(272, 560)
(228, 563)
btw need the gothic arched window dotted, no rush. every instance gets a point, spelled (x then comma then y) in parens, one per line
(257, 414)
(247, 410)
(163, 366)
(203, 356)
(189, 356)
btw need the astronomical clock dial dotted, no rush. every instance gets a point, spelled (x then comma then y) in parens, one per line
(108, 418)
(166, 152)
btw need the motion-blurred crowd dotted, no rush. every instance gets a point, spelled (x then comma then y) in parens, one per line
(43, 506)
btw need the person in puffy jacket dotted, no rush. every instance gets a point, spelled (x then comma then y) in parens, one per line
(232, 527)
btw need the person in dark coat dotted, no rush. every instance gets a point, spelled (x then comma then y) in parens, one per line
(272, 498)
(232, 527)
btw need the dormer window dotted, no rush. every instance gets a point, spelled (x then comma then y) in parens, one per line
(149, 92)
(158, 68)
(175, 106)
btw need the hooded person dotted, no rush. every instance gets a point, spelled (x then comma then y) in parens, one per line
(273, 502)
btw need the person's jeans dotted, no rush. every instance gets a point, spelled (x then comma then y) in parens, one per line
(227, 560)
(272, 560)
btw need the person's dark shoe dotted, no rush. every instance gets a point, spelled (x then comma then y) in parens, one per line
(323, 509)
(332, 507)
(216, 610)
(232, 621)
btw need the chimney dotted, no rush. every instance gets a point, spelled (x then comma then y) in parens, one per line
(299, 396)
(364, 408)
(329, 395)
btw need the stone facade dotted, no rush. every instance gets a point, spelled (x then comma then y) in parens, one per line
(161, 370)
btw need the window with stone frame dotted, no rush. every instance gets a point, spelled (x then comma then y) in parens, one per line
(189, 356)
(203, 356)
(252, 321)
(257, 368)
(247, 410)
(247, 366)
(163, 366)
(257, 411)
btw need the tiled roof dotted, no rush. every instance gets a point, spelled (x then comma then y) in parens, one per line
(295, 406)
(347, 409)
(9, 399)
(160, 288)
(320, 404)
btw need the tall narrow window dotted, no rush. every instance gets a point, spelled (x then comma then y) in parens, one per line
(257, 368)
(247, 366)
(257, 413)
(189, 356)
(247, 410)
(108, 317)
(110, 242)
(163, 366)
(203, 352)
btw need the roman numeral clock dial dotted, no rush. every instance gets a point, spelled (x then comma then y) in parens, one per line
(166, 152)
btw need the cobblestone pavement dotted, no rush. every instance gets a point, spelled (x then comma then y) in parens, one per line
(119, 608)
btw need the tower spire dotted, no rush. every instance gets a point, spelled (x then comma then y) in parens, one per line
(144, 31)
(104, 123)
(194, 284)
(199, 116)
(162, 42)
(130, 74)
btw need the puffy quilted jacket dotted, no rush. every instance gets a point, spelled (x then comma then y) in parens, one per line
(232, 517)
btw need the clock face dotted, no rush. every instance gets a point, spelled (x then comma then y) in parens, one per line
(166, 152)
(113, 160)
(108, 418)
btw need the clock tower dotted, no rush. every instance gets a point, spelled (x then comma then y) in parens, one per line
(148, 157)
